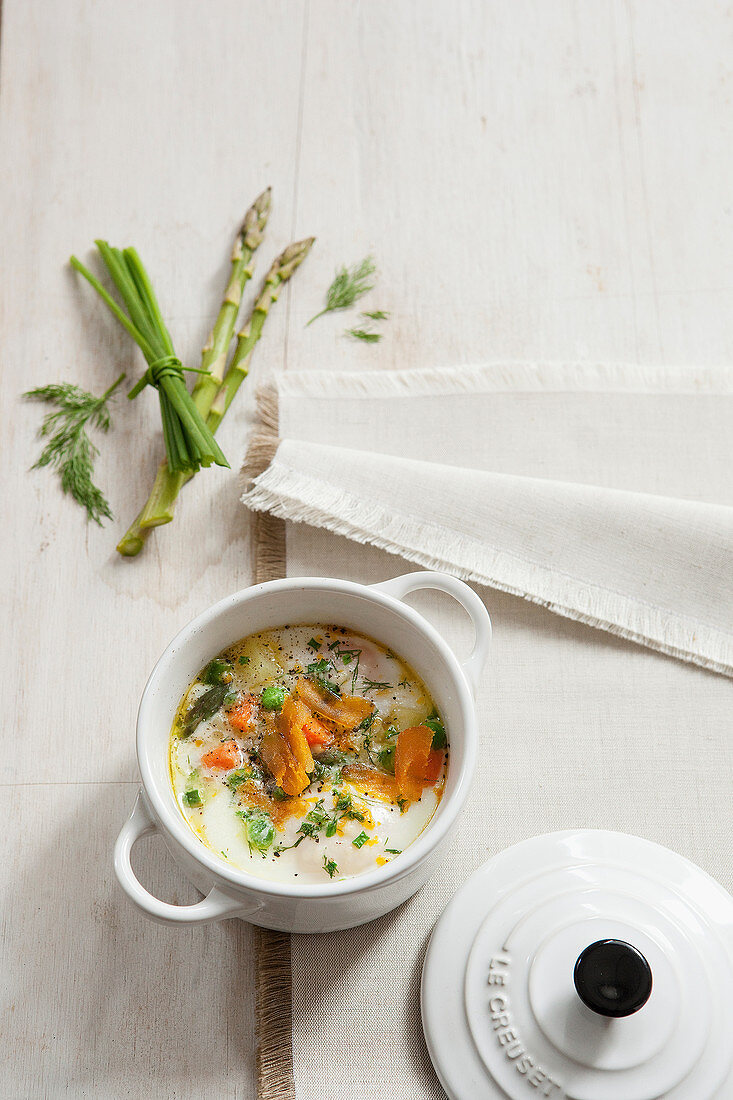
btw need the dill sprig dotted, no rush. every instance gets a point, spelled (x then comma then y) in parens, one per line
(363, 334)
(366, 332)
(348, 286)
(69, 449)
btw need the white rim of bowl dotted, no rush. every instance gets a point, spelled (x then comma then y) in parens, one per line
(433, 833)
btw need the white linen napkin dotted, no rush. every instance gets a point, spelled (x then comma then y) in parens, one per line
(601, 492)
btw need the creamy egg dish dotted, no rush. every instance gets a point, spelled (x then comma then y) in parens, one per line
(307, 753)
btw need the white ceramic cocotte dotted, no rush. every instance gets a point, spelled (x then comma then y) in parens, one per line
(376, 610)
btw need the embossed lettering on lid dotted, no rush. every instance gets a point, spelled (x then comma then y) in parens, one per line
(585, 965)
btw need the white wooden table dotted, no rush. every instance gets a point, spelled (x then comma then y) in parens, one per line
(535, 180)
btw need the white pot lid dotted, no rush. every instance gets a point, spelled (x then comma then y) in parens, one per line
(528, 935)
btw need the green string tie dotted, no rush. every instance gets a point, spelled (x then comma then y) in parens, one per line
(168, 366)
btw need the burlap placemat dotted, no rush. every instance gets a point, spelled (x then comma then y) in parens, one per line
(274, 1004)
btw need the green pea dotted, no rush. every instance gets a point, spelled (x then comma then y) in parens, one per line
(386, 759)
(273, 697)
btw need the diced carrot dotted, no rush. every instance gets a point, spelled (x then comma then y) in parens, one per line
(345, 711)
(435, 763)
(226, 756)
(243, 714)
(294, 718)
(411, 760)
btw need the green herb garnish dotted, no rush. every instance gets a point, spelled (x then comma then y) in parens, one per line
(366, 722)
(192, 798)
(374, 685)
(279, 794)
(363, 335)
(360, 840)
(273, 697)
(394, 851)
(314, 644)
(244, 660)
(330, 867)
(402, 802)
(375, 315)
(69, 449)
(348, 286)
(317, 671)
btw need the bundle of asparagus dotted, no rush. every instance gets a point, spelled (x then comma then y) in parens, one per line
(217, 384)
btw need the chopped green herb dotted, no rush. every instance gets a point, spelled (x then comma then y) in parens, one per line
(314, 644)
(343, 800)
(332, 826)
(204, 708)
(362, 334)
(218, 672)
(394, 851)
(366, 722)
(391, 731)
(244, 660)
(402, 802)
(330, 867)
(279, 794)
(376, 315)
(374, 685)
(404, 682)
(318, 814)
(360, 840)
(273, 697)
(318, 670)
(192, 798)
(322, 772)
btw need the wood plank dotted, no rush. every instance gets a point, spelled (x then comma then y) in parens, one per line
(155, 124)
(146, 124)
(99, 1001)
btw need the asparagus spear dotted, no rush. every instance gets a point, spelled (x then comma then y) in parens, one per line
(160, 504)
(283, 267)
(214, 357)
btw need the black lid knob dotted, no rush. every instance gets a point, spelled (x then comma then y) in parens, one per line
(613, 978)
